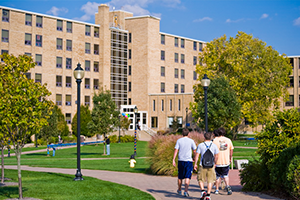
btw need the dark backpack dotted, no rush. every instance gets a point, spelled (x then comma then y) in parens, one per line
(208, 158)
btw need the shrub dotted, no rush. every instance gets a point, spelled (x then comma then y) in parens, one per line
(67, 139)
(254, 176)
(113, 138)
(293, 177)
(162, 151)
(127, 138)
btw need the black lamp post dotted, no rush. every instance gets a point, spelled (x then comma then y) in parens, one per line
(78, 74)
(119, 126)
(186, 117)
(205, 83)
(135, 112)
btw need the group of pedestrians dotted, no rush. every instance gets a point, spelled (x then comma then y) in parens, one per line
(216, 154)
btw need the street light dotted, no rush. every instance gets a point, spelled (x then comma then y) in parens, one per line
(186, 117)
(205, 83)
(78, 74)
(135, 112)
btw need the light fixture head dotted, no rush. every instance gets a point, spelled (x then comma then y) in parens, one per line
(205, 81)
(135, 110)
(78, 72)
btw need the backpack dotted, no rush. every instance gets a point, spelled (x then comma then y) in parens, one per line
(208, 157)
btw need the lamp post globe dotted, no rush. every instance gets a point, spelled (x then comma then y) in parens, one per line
(78, 75)
(205, 83)
(135, 113)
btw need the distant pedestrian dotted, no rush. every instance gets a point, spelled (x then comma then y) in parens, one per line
(107, 141)
(139, 125)
(206, 169)
(225, 147)
(184, 147)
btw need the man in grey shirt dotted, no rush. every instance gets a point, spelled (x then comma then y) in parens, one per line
(184, 145)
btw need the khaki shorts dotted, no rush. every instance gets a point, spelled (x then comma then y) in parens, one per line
(206, 173)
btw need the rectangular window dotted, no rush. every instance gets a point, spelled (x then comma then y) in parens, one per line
(87, 47)
(87, 100)
(59, 25)
(87, 83)
(195, 46)
(194, 75)
(87, 65)
(68, 63)
(38, 40)
(58, 99)
(5, 15)
(129, 101)
(153, 122)
(96, 66)
(170, 121)
(68, 81)
(176, 57)
(182, 58)
(182, 88)
(171, 104)
(38, 59)
(162, 39)
(162, 55)
(175, 88)
(182, 43)
(176, 42)
(153, 105)
(175, 73)
(3, 52)
(129, 86)
(162, 71)
(179, 105)
(96, 32)
(58, 62)
(182, 74)
(28, 19)
(68, 100)
(68, 118)
(291, 81)
(195, 60)
(162, 87)
(129, 70)
(129, 38)
(96, 49)
(87, 30)
(162, 105)
(59, 43)
(27, 39)
(200, 46)
(28, 54)
(39, 21)
(290, 102)
(96, 84)
(129, 54)
(28, 75)
(58, 81)
(292, 62)
(38, 78)
(5, 36)
(69, 27)
(69, 45)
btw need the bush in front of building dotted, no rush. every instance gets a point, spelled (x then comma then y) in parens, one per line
(126, 138)
(162, 151)
(293, 176)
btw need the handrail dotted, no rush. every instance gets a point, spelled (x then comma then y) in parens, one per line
(149, 130)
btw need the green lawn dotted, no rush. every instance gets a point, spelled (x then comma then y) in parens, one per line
(54, 186)
(244, 143)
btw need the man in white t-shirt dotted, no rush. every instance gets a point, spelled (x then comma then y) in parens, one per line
(184, 147)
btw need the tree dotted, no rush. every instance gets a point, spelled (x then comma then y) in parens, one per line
(3, 143)
(51, 128)
(62, 125)
(104, 114)
(85, 118)
(256, 72)
(224, 110)
(125, 123)
(22, 103)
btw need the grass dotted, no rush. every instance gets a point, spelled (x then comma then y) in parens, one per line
(54, 186)
(244, 143)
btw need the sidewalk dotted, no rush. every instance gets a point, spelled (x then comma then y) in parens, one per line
(160, 187)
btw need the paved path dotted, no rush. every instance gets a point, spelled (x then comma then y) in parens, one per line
(161, 187)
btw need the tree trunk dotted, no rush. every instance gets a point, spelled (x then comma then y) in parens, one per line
(2, 164)
(104, 149)
(18, 152)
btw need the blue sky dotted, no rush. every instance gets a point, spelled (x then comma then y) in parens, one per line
(276, 22)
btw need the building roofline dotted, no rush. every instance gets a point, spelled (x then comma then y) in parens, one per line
(49, 16)
(181, 37)
(143, 16)
(117, 29)
(294, 56)
(121, 11)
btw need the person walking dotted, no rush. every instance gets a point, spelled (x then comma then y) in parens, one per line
(184, 147)
(209, 155)
(225, 147)
(107, 141)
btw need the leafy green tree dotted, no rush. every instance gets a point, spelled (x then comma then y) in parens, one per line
(223, 107)
(104, 114)
(256, 72)
(62, 126)
(3, 143)
(125, 123)
(22, 103)
(51, 128)
(85, 118)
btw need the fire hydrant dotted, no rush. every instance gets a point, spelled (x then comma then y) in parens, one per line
(132, 161)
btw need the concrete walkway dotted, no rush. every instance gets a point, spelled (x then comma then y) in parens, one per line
(160, 187)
